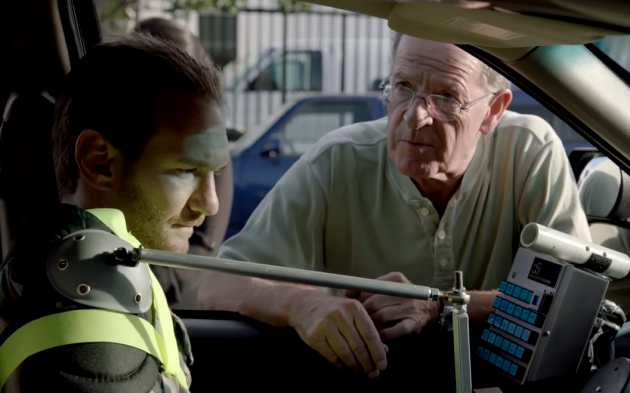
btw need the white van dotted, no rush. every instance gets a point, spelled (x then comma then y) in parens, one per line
(254, 89)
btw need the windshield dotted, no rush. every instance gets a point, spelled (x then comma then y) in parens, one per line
(616, 48)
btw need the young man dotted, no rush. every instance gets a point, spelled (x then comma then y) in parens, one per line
(137, 141)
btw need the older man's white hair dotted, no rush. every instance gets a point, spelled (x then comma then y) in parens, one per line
(489, 77)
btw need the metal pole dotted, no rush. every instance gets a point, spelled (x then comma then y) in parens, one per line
(463, 379)
(279, 273)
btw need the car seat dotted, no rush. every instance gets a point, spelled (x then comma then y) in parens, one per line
(27, 178)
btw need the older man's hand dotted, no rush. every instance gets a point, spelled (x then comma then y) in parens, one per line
(395, 317)
(341, 330)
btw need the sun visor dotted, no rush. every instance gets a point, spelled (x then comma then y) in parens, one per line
(486, 27)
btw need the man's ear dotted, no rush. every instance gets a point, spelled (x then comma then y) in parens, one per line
(498, 105)
(98, 160)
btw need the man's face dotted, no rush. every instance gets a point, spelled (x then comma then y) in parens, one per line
(171, 188)
(421, 146)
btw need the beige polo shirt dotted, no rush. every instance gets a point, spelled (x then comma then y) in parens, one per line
(344, 208)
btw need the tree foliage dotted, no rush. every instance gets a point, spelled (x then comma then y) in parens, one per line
(117, 12)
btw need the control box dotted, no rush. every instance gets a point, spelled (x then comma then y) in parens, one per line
(543, 318)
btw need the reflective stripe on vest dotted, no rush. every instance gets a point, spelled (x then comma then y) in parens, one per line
(92, 326)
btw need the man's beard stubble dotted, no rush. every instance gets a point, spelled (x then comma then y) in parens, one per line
(145, 220)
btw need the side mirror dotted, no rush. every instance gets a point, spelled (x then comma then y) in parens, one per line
(271, 148)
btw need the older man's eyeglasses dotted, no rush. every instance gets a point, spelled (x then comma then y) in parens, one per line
(440, 107)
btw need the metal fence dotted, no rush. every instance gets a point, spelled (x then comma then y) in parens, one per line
(270, 58)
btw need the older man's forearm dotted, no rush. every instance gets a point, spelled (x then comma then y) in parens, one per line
(266, 301)
(480, 305)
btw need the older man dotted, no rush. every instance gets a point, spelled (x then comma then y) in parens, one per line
(431, 189)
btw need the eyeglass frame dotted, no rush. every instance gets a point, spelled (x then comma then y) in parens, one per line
(462, 106)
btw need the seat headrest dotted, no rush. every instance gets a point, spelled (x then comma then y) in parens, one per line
(32, 112)
(605, 192)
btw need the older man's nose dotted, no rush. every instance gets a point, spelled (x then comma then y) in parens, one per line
(417, 116)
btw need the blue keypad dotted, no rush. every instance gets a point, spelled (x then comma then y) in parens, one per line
(502, 286)
(505, 345)
(491, 338)
(480, 351)
(497, 302)
(499, 362)
(485, 334)
(497, 321)
(486, 354)
(516, 292)
(510, 308)
(518, 331)
(512, 349)
(525, 315)
(532, 318)
(504, 324)
(517, 311)
(504, 304)
(529, 297)
(519, 352)
(492, 358)
(513, 369)
(525, 335)
(510, 289)
(523, 295)
(506, 365)
(511, 328)
(491, 319)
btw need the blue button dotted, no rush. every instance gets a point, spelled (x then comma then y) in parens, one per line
(516, 292)
(517, 311)
(512, 349)
(486, 354)
(485, 334)
(510, 308)
(529, 297)
(532, 318)
(505, 324)
(504, 304)
(511, 328)
(523, 295)
(525, 335)
(491, 338)
(491, 318)
(480, 351)
(513, 369)
(499, 362)
(506, 365)
(519, 352)
(518, 331)
(493, 358)
(497, 302)
(525, 315)
(497, 321)
(509, 289)
(505, 345)
(498, 341)
(502, 286)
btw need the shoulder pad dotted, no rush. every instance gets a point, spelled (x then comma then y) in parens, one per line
(79, 268)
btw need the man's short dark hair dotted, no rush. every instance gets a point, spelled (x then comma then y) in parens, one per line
(113, 90)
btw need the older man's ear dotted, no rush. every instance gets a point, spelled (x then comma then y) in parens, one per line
(498, 105)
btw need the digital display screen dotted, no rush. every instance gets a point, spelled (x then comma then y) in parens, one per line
(545, 272)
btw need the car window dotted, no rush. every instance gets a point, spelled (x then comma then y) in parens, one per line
(315, 120)
(616, 48)
(564, 131)
(303, 73)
